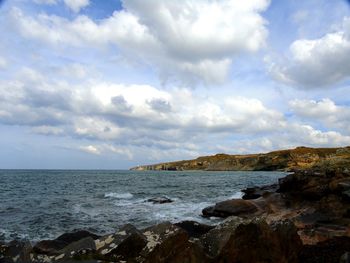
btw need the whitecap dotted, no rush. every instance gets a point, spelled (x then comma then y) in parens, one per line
(237, 195)
(119, 195)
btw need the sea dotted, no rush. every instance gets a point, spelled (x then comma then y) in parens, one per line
(43, 204)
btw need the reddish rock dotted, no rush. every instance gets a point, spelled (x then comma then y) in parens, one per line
(258, 242)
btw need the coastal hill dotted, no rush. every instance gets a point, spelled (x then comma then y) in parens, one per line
(284, 160)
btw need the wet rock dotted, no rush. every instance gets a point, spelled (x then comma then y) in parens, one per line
(234, 207)
(194, 229)
(51, 247)
(160, 200)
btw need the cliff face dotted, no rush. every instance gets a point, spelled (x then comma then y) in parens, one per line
(298, 158)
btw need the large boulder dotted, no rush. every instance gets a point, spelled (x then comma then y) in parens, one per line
(167, 243)
(52, 247)
(258, 242)
(15, 251)
(81, 249)
(194, 229)
(124, 245)
(216, 239)
(258, 191)
(233, 207)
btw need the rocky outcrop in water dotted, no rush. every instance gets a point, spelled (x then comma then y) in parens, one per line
(316, 202)
(298, 158)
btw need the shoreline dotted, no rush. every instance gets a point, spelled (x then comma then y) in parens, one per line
(309, 210)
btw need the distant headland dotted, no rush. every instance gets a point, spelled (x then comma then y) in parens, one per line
(284, 160)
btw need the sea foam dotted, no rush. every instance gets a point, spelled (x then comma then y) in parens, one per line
(119, 195)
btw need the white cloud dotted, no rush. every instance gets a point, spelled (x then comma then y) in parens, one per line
(192, 40)
(90, 149)
(103, 111)
(45, 2)
(324, 111)
(141, 121)
(319, 62)
(76, 5)
(48, 130)
(307, 135)
(103, 148)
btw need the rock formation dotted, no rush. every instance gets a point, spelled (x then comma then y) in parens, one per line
(303, 218)
(298, 158)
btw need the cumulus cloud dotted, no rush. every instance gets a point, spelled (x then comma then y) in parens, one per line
(307, 135)
(192, 40)
(116, 121)
(324, 111)
(76, 5)
(317, 63)
(90, 149)
(45, 2)
(103, 111)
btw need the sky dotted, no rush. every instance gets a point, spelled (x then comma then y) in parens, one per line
(90, 84)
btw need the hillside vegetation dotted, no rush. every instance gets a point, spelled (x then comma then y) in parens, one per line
(298, 158)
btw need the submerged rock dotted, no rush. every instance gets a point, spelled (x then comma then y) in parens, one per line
(160, 200)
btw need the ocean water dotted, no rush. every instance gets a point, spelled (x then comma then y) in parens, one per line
(41, 204)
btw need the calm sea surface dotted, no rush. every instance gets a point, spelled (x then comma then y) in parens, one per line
(40, 204)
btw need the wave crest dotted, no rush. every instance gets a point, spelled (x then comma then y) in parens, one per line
(119, 195)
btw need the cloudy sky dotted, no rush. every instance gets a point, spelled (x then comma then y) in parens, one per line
(116, 83)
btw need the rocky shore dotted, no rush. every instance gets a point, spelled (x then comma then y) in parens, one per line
(303, 218)
(298, 158)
